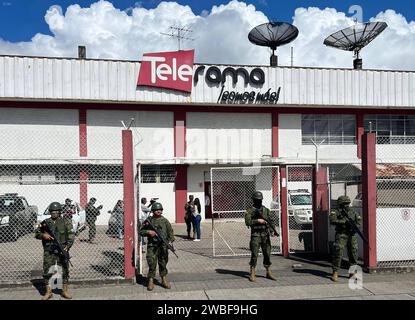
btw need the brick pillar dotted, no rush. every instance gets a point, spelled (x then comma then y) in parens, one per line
(369, 190)
(128, 188)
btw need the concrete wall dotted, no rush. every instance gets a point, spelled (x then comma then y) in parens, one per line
(165, 193)
(229, 136)
(39, 133)
(152, 131)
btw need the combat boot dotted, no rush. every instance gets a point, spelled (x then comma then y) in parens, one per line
(150, 285)
(164, 283)
(269, 274)
(252, 277)
(334, 276)
(48, 293)
(65, 294)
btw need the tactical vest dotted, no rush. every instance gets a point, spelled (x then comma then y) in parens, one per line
(257, 228)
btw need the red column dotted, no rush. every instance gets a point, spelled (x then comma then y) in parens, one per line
(284, 212)
(83, 152)
(369, 198)
(179, 133)
(360, 129)
(274, 134)
(181, 191)
(128, 184)
(320, 210)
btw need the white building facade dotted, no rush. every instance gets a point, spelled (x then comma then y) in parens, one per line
(69, 112)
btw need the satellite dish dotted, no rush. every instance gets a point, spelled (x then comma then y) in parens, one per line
(272, 35)
(355, 38)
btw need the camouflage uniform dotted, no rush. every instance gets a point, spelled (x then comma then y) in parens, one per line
(156, 250)
(63, 229)
(91, 214)
(260, 235)
(345, 235)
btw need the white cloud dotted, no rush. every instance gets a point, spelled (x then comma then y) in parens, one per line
(220, 35)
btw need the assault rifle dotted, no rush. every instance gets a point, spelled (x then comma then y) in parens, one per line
(269, 224)
(44, 227)
(354, 226)
(158, 234)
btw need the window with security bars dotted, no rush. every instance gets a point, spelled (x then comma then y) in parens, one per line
(158, 173)
(391, 129)
(328, 129)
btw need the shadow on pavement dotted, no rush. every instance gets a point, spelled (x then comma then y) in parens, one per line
(241, 274)
(314, 272)
(114, 267)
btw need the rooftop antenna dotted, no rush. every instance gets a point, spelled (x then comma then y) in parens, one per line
(272, 35)
(355, 38)
(179, 33)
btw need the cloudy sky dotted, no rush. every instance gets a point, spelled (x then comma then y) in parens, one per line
(125, 29)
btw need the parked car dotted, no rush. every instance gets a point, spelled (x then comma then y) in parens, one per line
(300, 208)
(17, 217)
(77, 217)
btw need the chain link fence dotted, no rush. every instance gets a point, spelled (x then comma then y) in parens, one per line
(345, 179)
(26, 190)
(232, 188)
(300, 208)
(395, 213)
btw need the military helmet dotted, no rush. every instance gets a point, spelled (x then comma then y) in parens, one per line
(55, 206)
(156, 206)
(343, 200)
(257, 195)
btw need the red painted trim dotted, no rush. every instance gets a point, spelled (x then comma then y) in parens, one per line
(284, 212)
(369, 198)
(320, 210)
(83, 147)
(83, 188)
(180, 134)
(359, 132)
(128, 188)
(274, 134)
(180, 191)
(203, 108)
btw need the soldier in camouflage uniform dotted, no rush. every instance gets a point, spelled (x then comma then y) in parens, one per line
(62, 228)
(91, 214)
(260, 235)
(156, 250)
(345, 235)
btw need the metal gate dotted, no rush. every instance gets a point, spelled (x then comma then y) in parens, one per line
(300, 209)
(232, 188)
